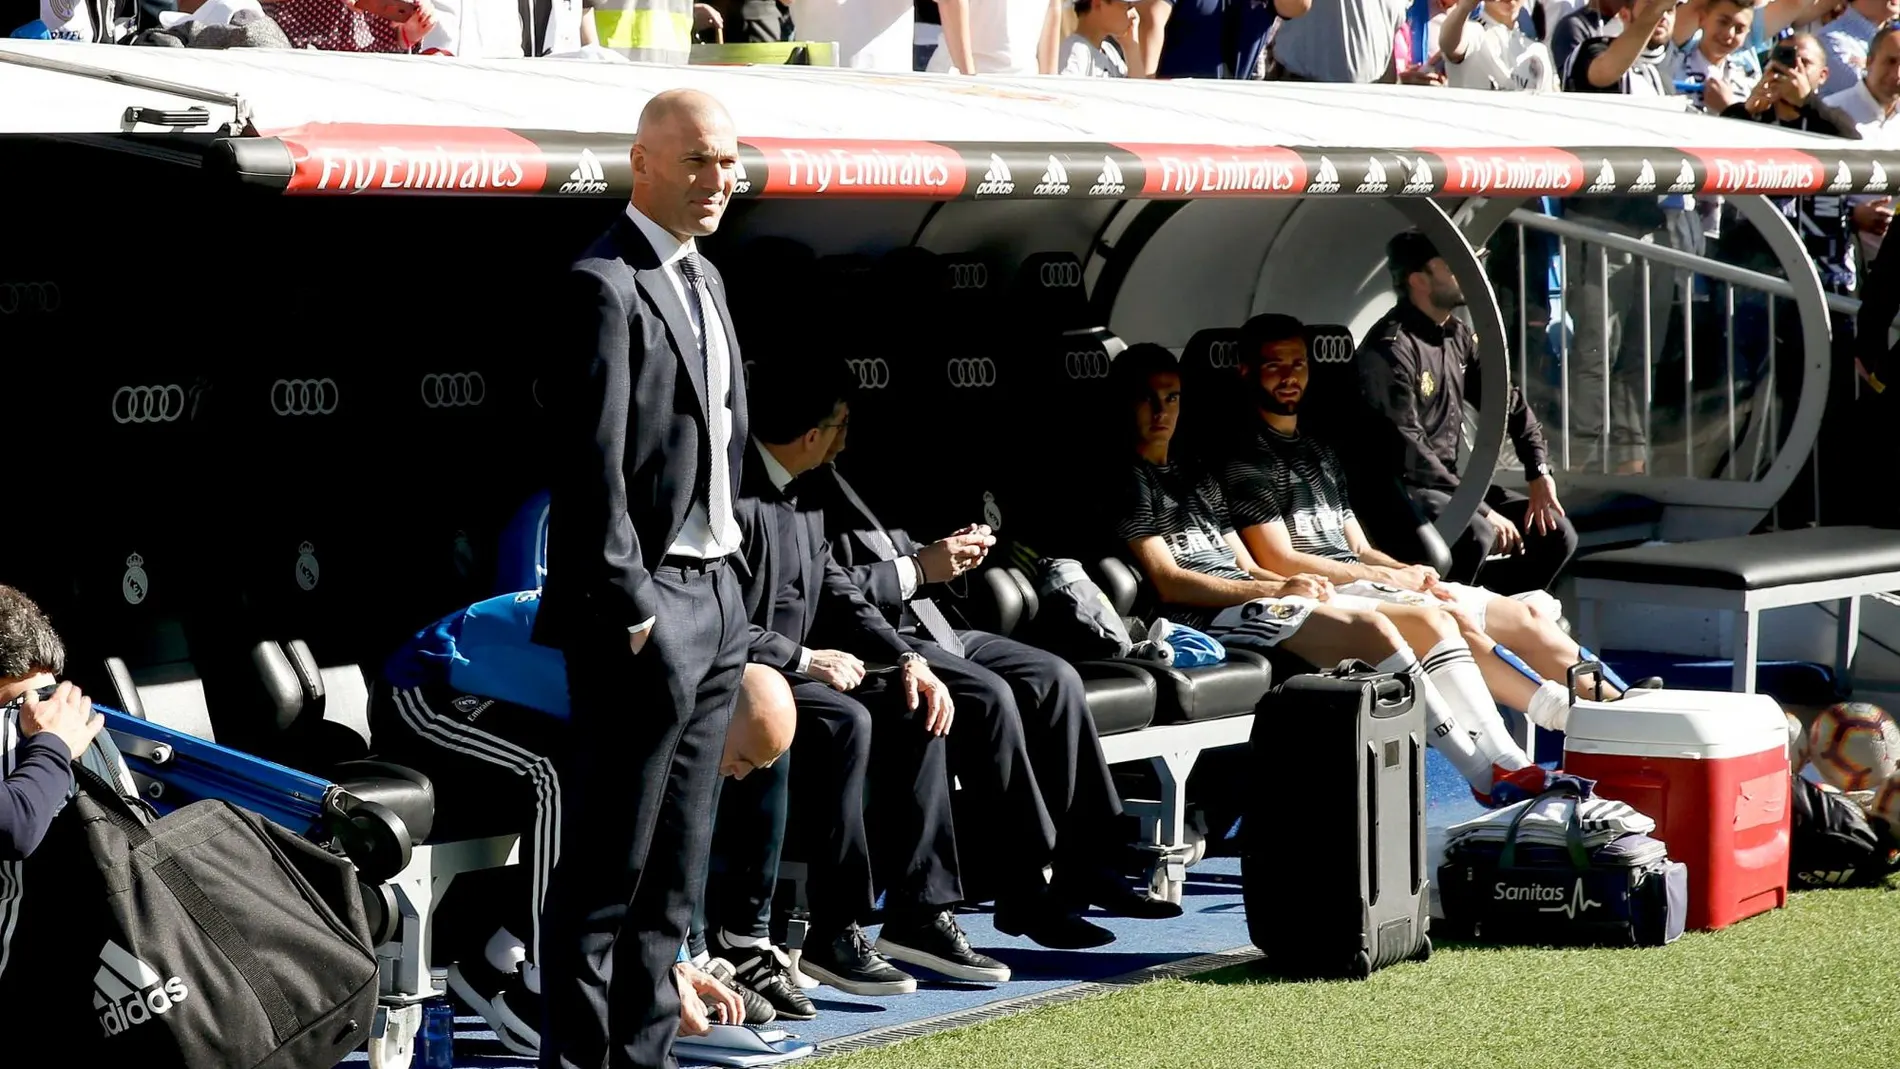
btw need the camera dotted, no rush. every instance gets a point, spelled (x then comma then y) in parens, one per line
(1785, 55)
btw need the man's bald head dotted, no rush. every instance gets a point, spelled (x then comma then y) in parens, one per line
(688, 106)
(763, 720)
(685, 158)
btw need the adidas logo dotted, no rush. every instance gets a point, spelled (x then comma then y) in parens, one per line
(1645, 180)
(1685, 179)
(1843, 178)
(741, 182)
(1876, 178)
(128, 992)
(1605, 181)
(1421, 179)
(1111, 183)
(588, 177)
(997, 181)
(1327, 180)
(1055, 180)
(1375, 178)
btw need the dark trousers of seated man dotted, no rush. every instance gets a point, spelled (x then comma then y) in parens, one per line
(1025, 750)
(1536, 568)
(748, 843)
(844, 743)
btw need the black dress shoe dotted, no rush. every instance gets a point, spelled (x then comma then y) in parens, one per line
(1111, 894)
(1043, 919)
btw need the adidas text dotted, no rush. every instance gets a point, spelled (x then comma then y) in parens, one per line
(128, 992)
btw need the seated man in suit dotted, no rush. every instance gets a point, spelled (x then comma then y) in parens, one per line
(1003, 689)
(888, 722)
(1288, 498)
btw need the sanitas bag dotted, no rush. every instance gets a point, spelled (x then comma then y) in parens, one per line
(210, 938)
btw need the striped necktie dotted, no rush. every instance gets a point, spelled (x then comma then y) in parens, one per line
(712, 346)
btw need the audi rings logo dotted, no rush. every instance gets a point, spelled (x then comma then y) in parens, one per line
(968, 276)
(1059, 275)
(1332, 349)
(874, 373)
(148, 404)
(29, 297)
(461, 389)
(304, 397)
(971, 372)
(1086, 364)
(1223, 354)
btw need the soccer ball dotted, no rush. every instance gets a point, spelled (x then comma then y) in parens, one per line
(1854, 745)
(1797, 743)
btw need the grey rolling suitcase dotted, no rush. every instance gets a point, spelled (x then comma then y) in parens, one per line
(1333, 854)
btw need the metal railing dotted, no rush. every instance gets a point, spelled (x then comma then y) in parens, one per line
(1730, 431)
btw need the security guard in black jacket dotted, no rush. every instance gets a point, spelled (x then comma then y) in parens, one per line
(1417, 367)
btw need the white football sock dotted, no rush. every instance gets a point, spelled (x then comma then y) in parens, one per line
(747, 942)
(1451, 667)
(1445, 735)
(1550, 707)
(505, 950)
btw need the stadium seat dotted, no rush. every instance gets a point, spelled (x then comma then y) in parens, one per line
(1210, 407)
(1050, 295)
(1368, 446)
(1231, 688)
(1121, 696)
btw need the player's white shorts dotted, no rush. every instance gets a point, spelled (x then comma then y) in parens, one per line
(1473, 599)
(1262, 623)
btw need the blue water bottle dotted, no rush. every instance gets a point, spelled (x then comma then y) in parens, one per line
(435, 1048)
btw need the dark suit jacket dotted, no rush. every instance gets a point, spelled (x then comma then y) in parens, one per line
(789, 579)
(627, 388)
(850, 530)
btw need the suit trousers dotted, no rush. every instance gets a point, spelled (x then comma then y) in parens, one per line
(1536, 568)
(648, 731)
(846, 744)
(748, 841)
(1025, 749)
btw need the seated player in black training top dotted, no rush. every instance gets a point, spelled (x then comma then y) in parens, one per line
(1288, 497)
(1176, 526)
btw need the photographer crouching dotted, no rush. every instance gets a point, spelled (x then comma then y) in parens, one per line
(44, 726)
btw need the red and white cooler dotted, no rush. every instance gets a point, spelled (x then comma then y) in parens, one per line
(1711, 768)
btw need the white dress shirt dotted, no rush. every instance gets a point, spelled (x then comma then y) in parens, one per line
(696, 537)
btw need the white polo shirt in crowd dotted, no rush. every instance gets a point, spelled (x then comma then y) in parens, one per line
(1003, 37)
(1078, 58)
(1875, 126)
(1501, 57)
(872, 35)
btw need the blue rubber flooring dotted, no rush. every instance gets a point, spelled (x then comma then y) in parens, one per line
(1214, 920)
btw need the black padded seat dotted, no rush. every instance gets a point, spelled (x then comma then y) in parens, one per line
(1751, 562)
(404, 790)
(1231, 688)
(1121, 694)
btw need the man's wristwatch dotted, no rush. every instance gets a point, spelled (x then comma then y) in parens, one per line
(1538, 471)
(913, 657)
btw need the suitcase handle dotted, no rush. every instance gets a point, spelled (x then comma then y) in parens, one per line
(1388, 691)
(1581, 670)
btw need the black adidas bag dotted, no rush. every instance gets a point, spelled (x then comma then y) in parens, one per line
(1832, 843)
(208, 939)
(1074, 619)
